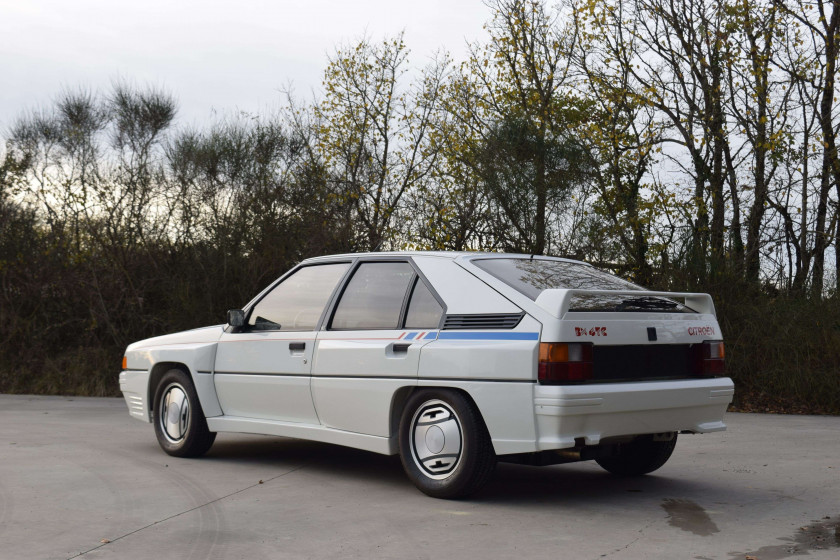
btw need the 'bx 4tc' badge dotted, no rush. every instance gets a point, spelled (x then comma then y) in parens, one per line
(591, 331)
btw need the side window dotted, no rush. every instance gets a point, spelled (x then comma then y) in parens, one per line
(374, 297)
(296, 303)
(424, 311)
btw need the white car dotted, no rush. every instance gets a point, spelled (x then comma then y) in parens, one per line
(453, 360)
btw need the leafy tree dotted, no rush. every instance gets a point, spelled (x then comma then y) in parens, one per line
(623, 131)
(514, 119)
(820, 45)
(759, 105)
(373, 136)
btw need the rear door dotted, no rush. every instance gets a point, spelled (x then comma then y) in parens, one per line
(371, 345)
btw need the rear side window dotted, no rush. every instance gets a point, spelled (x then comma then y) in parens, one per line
(424, 312)
(374, 297)
(296, 303)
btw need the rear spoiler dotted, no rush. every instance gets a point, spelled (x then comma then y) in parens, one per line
(557, 301)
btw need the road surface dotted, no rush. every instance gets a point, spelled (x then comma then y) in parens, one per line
(79, 478)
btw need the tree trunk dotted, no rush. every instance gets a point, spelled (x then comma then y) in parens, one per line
(830, 166)
(718, 176)
(538, 246)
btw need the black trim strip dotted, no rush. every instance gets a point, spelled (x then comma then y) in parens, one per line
(413, 378)
(135, 370)
(263, 373)
(407, 297)
(199, 371)
(465, 379)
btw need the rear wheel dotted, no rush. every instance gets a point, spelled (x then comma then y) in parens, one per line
(180, 426)
(444, 445)
(641, 456)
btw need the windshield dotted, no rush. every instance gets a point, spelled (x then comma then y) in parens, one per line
(532, 276)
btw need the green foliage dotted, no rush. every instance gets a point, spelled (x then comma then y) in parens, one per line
(372, 135)
(143, 230)
(782, 352)
(508, 163)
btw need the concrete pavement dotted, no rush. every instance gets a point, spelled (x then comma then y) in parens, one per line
(79, 478)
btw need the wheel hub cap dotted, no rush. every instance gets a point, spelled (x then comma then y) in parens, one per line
(175, 415)
(436, 439)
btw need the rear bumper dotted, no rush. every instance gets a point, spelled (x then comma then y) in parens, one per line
(134, 385)
(603, 410)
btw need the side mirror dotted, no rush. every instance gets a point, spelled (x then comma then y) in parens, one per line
(236, 318)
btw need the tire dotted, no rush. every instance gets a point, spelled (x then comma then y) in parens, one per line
(444, 445)
(641, 456)
(180, 426)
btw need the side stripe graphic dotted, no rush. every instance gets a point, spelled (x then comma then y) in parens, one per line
(450, 335)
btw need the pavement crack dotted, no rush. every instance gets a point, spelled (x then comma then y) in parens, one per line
(173, 516)
(631, 543)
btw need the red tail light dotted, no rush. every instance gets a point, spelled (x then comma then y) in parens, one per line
(562, 362)
(709, 359)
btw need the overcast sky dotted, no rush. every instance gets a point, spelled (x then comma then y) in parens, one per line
(215, 57)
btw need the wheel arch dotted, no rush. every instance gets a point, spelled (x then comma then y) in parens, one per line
(202, 382)
(401, 396)
(506, 408)
(398, 400)
(156, 374)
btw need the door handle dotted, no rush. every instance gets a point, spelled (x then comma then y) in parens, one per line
(401, 347)
(297, 346)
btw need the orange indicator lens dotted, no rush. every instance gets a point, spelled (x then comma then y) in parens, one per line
(554, 352)
(562, 362)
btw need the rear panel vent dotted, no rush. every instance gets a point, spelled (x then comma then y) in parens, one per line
(484, 321)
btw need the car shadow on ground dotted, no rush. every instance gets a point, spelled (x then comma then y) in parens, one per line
(512, 484)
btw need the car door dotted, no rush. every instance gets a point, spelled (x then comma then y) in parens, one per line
(262, 370)
(371, 345)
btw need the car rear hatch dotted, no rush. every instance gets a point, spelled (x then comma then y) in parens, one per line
(630, 335)
(597, 327)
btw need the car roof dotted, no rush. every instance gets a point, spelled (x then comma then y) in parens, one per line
(439, 254)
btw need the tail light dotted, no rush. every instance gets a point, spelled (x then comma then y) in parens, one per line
(709, 359)
(562, 362)
(125, 362)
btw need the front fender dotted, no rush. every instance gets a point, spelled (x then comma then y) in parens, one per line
(197, 358)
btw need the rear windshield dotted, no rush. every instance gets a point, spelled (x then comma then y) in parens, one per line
(532, 276)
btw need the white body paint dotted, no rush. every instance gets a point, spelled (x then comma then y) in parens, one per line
(347, 387)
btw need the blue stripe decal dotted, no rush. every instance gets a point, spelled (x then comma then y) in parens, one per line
(489, 336)
(410, 335)
(431, 335)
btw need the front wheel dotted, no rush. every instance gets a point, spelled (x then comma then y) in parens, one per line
(444, 445)
(180, 426)
(641, 456)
